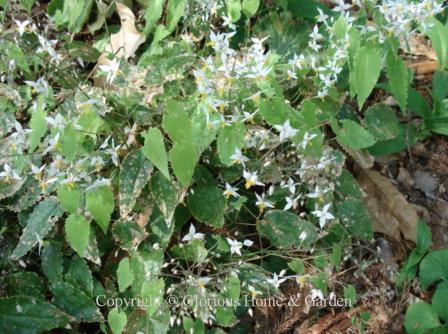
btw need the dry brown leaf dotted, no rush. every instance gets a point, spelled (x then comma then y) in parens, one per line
(423, 67)
(123, 44)
(392, 214)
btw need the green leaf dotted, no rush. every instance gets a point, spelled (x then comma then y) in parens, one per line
(297, 266)
(354, 216)
(307, 9)
(73, 14)
(250, 7)
(124, 274)
(381, 122)
(193, 251)
(438, 33)
(440, 300)
(433, 267)
(38, 125)
(135, 172)
(203, 131)
(153, 290)
(75, 302)
(101, 12)
(117, 320)
(407, 137)
(77, 232)
(207, 204)
(29, 315)
(24, 283)
(128, 234)
(350, 294)
(69, 197)
(419, 318)
(353, 135)
(144, 263)
(52, 263)
(100, 203)
(153, 13)
(39, 223)
(79, 275)
(283, 229)
(398, 76)
(234, 9)
(154, 150)
(366, 72)
(424, 237)
(184, 157)
(175, 10)
(69, 142)
(276, 112)
(176, 122)
(193, 326)
(164, 194)
(230, 138)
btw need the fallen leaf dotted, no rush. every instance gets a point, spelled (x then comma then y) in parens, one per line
(123, 44)
(391, 213)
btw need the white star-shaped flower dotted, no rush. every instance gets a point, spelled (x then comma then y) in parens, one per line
(192, 235)
(286, 131)
(323, 215)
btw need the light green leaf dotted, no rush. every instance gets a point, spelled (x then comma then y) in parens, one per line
(153, 290)
(124, 274)
(69, 197)
(154, 150)
(438, 33)
(433, 267)
(69, 142)
(230, 138)
(101, 12)
(353, 135)
(207, 204)
(424, 237)
(39, 223)
(250, 7)
(135, 172)
(366, 72)
(398, 76)
(419, 318)
(77, 232)
(153, 13)
(117, 320)
(176, 122)
(175, 10)
(194, 326)
(234, 9)
(184, 157)
(100, 203)
(276, 112)
(144, 263)
(29, 315)
(440, 300)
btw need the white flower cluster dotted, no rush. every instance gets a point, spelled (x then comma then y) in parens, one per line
(403, 16)
(325, 56)
(219, 74)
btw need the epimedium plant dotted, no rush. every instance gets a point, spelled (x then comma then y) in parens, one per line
(206, 168)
